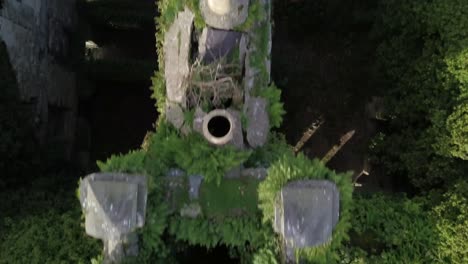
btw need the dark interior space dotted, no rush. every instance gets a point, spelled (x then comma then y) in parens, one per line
(322, 58)
(219, 126)
(120, 116)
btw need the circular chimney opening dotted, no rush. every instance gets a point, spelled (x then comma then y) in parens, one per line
(219, 126)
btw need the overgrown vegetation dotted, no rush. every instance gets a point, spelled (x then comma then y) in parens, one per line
(40, 222)
(290, 168)
(423, 56)
(168, 10)
(275, 107)
(235, 224)
(424, 59)
(392, 229)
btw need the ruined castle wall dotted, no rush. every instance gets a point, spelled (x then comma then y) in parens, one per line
(37, 37)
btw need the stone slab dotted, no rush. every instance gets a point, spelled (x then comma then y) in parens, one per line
(113, 204)
(237, 135)
(176, 56)
(174, 114)
(307, 213)
(258, 123)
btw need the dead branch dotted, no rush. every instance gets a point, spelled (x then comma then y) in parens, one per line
(332, 152)
(308, 134)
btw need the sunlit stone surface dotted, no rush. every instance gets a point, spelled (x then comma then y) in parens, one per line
(220, 7)
(224, 14)
(177, 44)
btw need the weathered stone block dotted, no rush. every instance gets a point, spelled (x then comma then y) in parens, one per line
(237, 136)
(113, 204)
(307, 212)
(258, 121)
(174, 114)
(176, 56)
(194, 183)
(215, 44)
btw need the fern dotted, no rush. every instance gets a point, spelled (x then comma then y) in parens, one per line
(129, 163)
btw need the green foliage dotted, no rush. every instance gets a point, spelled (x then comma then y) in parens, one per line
(216, 161)
(46, 227)
(233, 232)
(393, 230)
(259, 57)
(48, 238)
(233, 197)
(390, 229)
(194, 5)
(271, 152)
(265, 256)
(168, 10)
(159, 91)
(290, 168)
(186, 152)
(451, 217)
(257, 13)
(423, 57)
(129, 163)
(275, 106)
(153, 248)
(166, 149)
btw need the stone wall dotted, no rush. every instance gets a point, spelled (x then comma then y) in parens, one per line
(36, 34)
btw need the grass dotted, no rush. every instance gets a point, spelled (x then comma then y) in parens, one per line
(233, 197)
